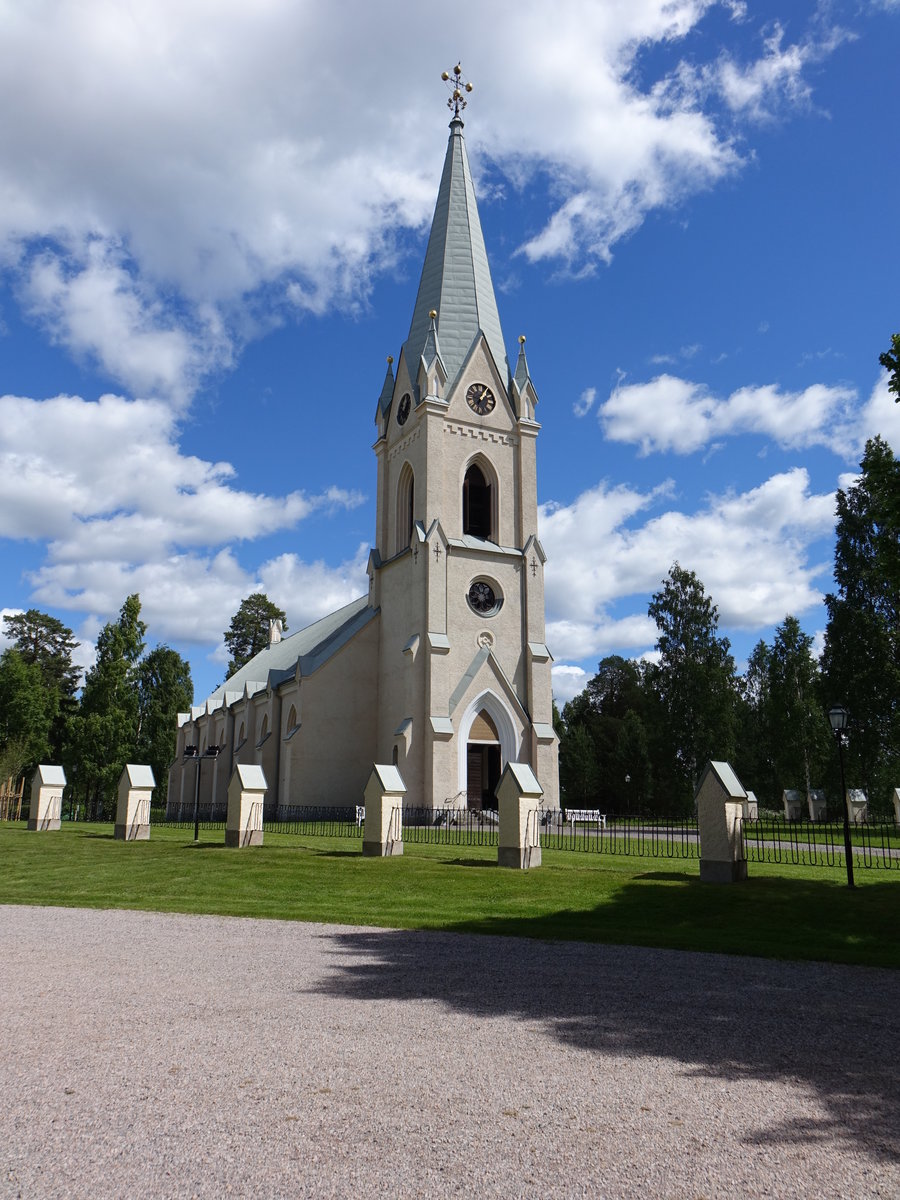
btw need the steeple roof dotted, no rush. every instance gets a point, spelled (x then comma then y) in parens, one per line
(456, 278)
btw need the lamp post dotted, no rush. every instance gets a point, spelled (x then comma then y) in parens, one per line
(192, 752)
(839, 720)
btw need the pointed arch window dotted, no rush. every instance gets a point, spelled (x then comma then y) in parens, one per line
(477, 503)
(406, 490)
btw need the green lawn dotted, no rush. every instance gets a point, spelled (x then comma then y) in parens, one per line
(781, 912)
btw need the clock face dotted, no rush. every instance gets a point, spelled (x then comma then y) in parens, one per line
(481, 597)
(403, 409)
(480, 398)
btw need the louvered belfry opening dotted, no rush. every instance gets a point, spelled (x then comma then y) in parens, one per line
(476, 503)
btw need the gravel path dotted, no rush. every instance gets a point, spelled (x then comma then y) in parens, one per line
(158, 1055)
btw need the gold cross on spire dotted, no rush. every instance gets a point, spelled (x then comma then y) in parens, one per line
(458, 87)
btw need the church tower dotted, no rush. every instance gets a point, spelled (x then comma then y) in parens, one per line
(457, 571)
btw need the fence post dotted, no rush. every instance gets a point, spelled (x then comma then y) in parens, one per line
(46, 797)
(246, 796)
(720, 800)
(383, 831)
(519, 796)
(136, 784)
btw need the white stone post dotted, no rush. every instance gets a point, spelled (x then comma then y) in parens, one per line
(383, 830)
(897, 805)
(136, 784)
(793, 804)
(857, 806)
(246, 796)
(816, 801)
(519, 798)
(46, 797)
(751, 807)
(720, 804)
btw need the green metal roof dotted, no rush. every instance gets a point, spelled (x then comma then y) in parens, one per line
(456, 278)
(310, 647)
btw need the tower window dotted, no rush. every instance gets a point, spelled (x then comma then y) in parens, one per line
(476, 503)
(405, 502)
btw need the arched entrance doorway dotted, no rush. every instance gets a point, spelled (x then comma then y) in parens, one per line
(483, 762)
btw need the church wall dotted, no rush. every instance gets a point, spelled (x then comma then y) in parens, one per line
(401, 688)
(331, 754)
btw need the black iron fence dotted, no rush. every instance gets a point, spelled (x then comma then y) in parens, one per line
(637, 836)
(317, 821)
(451, 826)
(770, 838)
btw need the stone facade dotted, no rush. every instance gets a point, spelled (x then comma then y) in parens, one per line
(441, 669)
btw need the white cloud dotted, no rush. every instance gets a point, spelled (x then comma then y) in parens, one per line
(6, 612)
(673, 414)
(125, 511)
(106, 481)
(568, 681)
(204, 170)
(751, 550)
(767, 85)
(880, 416)
(93, 305)
(585, 402)
(192, 597)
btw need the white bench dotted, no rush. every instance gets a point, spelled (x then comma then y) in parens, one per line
(586, 816)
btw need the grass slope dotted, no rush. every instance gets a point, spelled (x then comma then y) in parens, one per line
(794, 912)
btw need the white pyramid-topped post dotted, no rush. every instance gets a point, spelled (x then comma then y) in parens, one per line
(720, 800)
(857, 806)
(519, 796)
(793, 804)
(896, 800)
(383, 831)
(816, 801)
(136, 784)
(46, 797)
(246, 797)
(751, 807)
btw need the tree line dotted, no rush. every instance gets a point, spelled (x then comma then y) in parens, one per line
(126, 710)
(638, 736)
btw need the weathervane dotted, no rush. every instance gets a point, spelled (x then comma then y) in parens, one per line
(458, 86)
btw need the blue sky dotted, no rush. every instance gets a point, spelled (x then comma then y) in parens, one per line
(212, 224)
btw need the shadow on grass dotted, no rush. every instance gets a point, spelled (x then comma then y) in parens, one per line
(332, 853)
(469, 862)
(828, 1027)
(99, 837)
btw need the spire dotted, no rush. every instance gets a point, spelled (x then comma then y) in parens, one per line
(456, 278)
(431, 350)
(387, 388)
(522, 376)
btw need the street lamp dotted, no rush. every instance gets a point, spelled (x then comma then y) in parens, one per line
(839, 720)
(192, 752)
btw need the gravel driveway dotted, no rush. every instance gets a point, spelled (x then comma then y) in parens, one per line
(157, 1055)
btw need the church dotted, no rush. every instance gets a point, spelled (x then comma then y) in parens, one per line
(441, 668)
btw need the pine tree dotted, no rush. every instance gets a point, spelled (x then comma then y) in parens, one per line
(693, 683)
(800, 741)
(754, 755)
(248, 632)
(164, 689)
(861, 662)
(27, 711)
(48, 644)
(103, 734)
